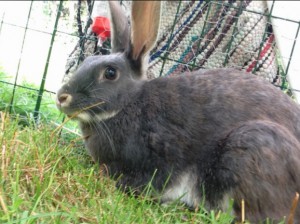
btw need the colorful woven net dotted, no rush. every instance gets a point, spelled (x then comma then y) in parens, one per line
(207, 34)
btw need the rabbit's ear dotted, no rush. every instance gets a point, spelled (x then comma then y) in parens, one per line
(145, 20)
(120, 36)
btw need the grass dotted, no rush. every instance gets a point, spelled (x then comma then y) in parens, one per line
(47, 179)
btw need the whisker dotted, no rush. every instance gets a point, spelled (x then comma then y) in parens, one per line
(106, 90)
(100, 98)
(92, 82)
(107, 133)
(105, 100)
(91, 106)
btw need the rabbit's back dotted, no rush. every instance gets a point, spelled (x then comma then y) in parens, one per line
(222, 99)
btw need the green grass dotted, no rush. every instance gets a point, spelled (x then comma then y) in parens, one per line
(48, 179)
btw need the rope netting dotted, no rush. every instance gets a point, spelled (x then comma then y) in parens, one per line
(205, 34)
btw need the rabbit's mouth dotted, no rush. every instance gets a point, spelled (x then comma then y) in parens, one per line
(81, 116)
(86, 137)
(71, 115)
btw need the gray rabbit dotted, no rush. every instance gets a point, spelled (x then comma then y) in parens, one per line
(214, 134)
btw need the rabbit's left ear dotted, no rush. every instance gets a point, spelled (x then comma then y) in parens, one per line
(120, 36)
(145, 20)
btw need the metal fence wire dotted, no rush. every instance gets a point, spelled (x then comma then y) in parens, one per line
(193, 35)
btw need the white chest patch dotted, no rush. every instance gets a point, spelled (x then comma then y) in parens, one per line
(183, 189)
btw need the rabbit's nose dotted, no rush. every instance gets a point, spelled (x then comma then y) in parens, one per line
(64, 99)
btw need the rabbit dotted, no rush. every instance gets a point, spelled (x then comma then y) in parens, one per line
(210, 135)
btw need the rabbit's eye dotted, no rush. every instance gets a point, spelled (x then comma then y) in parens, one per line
(110, 73)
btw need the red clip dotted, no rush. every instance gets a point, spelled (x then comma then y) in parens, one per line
(101, 26)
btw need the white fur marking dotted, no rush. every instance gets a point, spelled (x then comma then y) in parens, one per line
(99, 117)
(225, 202)
(84, 117)
(106, 115)
(184, 189)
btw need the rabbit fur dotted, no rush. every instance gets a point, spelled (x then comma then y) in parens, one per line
(216, 134)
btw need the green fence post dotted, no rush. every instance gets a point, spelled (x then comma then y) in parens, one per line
(42, 86)
(19, 62)
(202, 33)
(170, 39)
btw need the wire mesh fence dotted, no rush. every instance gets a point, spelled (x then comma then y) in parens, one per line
(54, 38)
